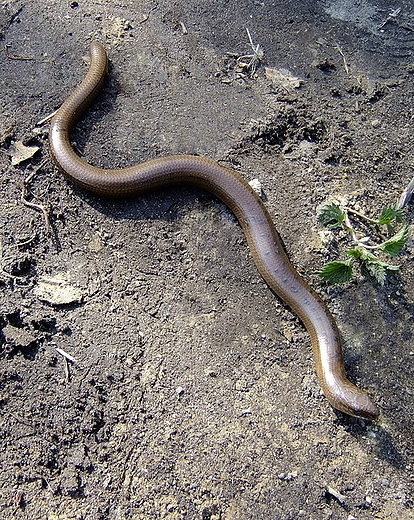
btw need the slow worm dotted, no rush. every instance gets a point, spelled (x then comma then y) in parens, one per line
(263, 239)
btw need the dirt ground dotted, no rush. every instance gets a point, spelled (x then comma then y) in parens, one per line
(192, 394)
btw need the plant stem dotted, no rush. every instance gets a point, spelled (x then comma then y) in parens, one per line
(348, 226)
(361, 215)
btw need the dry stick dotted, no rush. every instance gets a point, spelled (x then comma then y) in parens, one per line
(343, 59)
(44, 479)
(26, 192)
(35, 430)
(183, 28)
(13, 57)
(359, 241)
(336, 494)
(350, 228)
(18, 57)
(65, 355)
(67, 373)
(355, 212)
(39, 207)
(12, 276)
(28, 241)
(146, 15)
(68, 359)
(392, 16)
(47, 118)
(406, 195)
(256, 57)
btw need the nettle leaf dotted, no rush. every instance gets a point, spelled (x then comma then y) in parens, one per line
(336, 272)
(389, 214)
(360, 253)
(394, 244)
(374, 270)
(371, 266)
(378, 270)
(356, 253)
(331, 216)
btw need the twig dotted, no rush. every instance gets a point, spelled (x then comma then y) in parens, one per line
(145, 16)
(35, 429)
(46, 119)
(183, 28)
(44, 479)
(26, 192)
(358, 214)
(255, 58)
(391, 16)
(343, 59)
(65, 355)
(18, 57)
(38, 207)
(67, 358)
(50, 228)
(349, 227)
(12, 276)
(336, 494)
(28, 241)
(406, 195)
(14, 57)
(363, 240)
(347, 224)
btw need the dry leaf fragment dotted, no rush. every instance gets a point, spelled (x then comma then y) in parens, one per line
(57, 290)
(283, 78)
(19, 152)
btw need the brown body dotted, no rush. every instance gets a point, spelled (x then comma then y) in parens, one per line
(233, 190)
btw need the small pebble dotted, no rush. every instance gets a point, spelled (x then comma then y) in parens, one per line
(257, 186)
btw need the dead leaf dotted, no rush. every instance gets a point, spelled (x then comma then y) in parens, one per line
(58, 290)
(19, 152)
(283, 78)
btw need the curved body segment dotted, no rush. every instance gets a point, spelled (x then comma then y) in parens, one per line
(263, 239)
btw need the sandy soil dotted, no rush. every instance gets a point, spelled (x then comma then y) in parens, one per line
(193, 393)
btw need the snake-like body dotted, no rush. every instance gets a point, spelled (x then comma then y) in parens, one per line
(263, 239)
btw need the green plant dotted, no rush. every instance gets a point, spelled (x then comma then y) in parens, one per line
(365, 251)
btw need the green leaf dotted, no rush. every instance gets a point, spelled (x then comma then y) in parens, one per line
(389, 214)
(356, 253)
(374, 270)
(363, 254)
(331, 216)
(394, 244)
(377, 270)
(336, 272)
